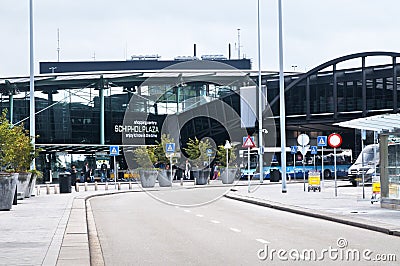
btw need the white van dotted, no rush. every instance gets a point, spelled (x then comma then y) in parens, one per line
(371, 162)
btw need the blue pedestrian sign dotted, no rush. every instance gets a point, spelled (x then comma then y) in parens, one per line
(114, 150)
(314, 150)
(209, 152)
(293, 149)
(170, 147)
(322, 141)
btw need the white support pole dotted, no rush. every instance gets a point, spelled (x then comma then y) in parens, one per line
(248, 169)
(32, 118)
(282, 114)
(260, 102)
(322, 166)
(334, 153)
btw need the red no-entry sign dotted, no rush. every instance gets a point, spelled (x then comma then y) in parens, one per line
(334, 140)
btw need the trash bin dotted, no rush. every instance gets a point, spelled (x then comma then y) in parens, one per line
(65, 182)
(274, 175)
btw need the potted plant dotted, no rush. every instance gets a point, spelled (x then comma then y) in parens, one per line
(227, 176)
(17, 153)
(145, 158)
(164, 175)
(8, 179)
(197, 153)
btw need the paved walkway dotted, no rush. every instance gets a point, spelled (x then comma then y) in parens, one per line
(348, 207)
(52, 229)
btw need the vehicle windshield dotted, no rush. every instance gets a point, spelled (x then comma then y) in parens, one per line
(369, 155)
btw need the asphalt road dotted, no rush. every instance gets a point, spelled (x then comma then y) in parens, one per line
(136, 229)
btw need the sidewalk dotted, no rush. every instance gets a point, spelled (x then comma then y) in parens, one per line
(43, 229)
(348, 207)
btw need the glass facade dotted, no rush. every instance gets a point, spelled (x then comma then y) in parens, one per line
(390, 170)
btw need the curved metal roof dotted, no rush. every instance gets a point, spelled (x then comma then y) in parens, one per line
(379, 123)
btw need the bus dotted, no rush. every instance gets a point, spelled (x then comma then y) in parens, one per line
(294, 163)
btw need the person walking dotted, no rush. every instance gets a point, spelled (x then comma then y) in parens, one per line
(73, 175)
(216, 170)
(86, 173)
(103, 171)
(187, 169)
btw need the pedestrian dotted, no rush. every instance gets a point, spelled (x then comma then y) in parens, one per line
(103, 171)
(73, 175)
(187, 169)
(215, 172)
(87, 173)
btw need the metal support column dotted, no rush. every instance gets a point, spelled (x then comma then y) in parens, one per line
(308, 99)
(364, 89)
(11, 99)
(335, 102)
(395, 107)
(101, 95)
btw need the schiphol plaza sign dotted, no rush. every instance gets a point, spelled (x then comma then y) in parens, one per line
(139, 129)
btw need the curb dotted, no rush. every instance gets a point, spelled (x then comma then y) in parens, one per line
(322, 215)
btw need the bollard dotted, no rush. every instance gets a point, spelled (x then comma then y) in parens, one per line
(95, 186)
(181, 181)
(55, 189)
(37, 190)
(85, 186)
(76, 187)
(106, 186)
(47, 189)
(130, 185)
(119, 186)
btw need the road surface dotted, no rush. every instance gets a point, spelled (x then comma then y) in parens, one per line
(136, 229)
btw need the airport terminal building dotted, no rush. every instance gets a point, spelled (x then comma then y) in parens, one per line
(81, 106)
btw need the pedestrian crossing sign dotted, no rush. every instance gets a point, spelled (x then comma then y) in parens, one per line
(314, 150)
(114, 150)
(170, 147)
(322, 141)
(293, 149)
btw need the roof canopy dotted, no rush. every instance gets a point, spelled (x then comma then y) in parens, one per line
(379, 123)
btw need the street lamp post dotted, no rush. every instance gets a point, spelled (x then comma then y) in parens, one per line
(227, 147)
(31, 82)
(260, 102)
(282, 100)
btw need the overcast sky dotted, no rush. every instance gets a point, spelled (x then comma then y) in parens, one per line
(315, 31)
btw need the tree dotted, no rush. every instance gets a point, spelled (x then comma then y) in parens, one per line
(144, 156)
(17, 150)
(221, 155)
(197, 151)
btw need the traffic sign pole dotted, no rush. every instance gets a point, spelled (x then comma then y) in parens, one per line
(334, 153)
(335, 140)
(294, 168)
(115, 172)
(248, 169)
(322, 169)
(322, 142)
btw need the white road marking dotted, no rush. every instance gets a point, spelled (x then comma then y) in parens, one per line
(187, 211)
(262, 241)
(199, 215)
(235, 230)
(215, 221)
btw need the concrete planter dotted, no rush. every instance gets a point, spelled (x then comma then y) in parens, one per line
(230, 178)
(201, 176)
(22, 184)
(164, 178)
(148, 178)
(31, 186)
(8, 185)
